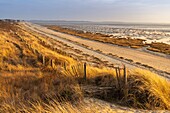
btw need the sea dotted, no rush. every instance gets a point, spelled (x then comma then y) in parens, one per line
(148, 32)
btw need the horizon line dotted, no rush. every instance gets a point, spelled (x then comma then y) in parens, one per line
(90, 21)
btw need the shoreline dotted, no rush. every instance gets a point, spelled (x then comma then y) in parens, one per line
(130, 42)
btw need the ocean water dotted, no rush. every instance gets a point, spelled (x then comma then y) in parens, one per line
(148, 32)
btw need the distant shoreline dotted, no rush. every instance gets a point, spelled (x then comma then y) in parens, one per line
(133, 43)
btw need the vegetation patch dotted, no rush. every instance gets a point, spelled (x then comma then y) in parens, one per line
(160, 47)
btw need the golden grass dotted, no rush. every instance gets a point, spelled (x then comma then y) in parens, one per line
(29, 89)
(148, 90)
(77, 70)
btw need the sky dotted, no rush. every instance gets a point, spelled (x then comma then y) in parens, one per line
(155, 11)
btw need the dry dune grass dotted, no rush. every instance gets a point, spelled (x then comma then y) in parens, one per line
(51, 91)
(59, 89)
(146, 90)
(19, 91)
(77, 70)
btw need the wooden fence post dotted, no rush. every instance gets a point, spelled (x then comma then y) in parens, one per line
(34, 51)
(40, 57)
(30, 47)
(37, 52)
(52, 63)
(24, 61)
(125, 83)
(117, 75)
(43, 60)
(65, 66)
(125, 75)
(85, 76)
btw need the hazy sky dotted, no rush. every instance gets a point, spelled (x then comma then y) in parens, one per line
(93, 10)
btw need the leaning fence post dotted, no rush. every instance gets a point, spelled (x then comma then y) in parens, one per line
(52, 63)
(125, 83)
(85, 71)
(125, 76)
